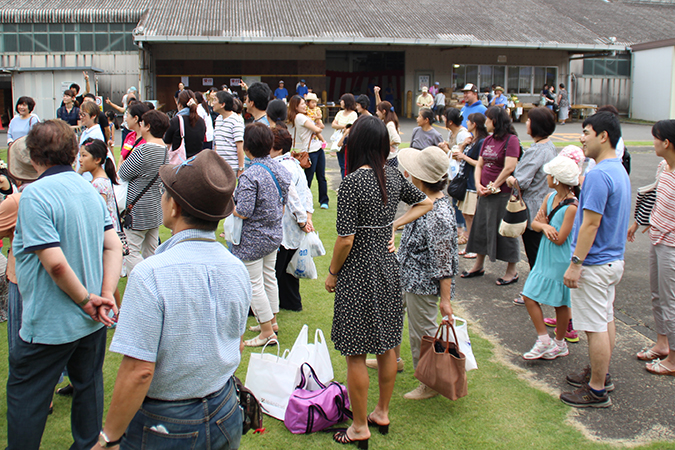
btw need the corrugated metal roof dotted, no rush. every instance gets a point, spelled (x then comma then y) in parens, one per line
(72, 11)
(559, 24)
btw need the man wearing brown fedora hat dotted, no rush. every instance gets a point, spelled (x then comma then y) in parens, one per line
(185, 311)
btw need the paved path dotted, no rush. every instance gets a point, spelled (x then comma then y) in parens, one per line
(643, 404)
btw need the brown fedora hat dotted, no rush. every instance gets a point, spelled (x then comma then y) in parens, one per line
(18, 161)
(202, 185)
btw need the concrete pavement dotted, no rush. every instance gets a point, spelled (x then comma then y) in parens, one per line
(643, 403)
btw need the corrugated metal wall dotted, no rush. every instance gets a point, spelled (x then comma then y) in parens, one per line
(602, 91)
(120, 71)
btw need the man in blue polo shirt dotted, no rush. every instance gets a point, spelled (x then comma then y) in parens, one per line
(281, 92)
(68, 261)
(302, 89)
(471, 102)
(596, 267)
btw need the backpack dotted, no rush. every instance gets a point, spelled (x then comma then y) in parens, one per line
(252, 410)
(625, 160)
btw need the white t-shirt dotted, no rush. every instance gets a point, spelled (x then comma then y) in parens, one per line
(394, 140)
(462, 134)
(207, 120)
(302, 135)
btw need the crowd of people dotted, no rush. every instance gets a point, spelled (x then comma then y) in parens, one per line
(185, 307)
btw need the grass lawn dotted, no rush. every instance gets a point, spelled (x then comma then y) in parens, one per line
(502, 411)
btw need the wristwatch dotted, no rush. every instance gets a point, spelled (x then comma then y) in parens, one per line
(576, 260)
(105, 442)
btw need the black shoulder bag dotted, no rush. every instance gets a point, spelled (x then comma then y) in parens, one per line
(125, 217)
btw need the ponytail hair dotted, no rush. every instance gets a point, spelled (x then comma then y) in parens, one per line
(98, 150)
(184, 99)
(389, 113)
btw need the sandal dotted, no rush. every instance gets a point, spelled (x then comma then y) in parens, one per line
(648, 354)
(503, 282)
(659, 369)
(471, 255)
(341, 437)
(462, 252)
(256, 328)
(478, 273)
(259, 342)
(383, 429)
(462, 240)
(518, 301)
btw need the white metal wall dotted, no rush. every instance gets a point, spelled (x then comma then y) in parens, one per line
(653, 84)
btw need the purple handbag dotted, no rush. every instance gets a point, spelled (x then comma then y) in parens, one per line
(309, 411)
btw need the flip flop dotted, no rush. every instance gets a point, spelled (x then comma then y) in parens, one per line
(648, 354)
(503, 282)
(659, 369)
(462, 252)
(471, 255)
(478, 273)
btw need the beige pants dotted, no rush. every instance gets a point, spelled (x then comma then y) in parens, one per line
(422, 313)
(265, 298)
(142, 244)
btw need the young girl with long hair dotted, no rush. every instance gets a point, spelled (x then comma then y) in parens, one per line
(94, 159)
(545, 285)
(386, 112)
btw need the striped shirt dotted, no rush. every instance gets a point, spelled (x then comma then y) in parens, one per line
(662, 220)
(226, 134)
(139, 169)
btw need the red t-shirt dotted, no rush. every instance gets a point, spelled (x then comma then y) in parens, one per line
(493, 152)
(129, 144)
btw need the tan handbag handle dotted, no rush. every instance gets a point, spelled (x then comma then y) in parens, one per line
(447, 335)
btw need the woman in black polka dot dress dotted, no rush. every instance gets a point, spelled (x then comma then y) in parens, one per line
(364, 271)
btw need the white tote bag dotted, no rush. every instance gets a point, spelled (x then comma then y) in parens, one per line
(315, 354)
(120, 190)
(272, 379)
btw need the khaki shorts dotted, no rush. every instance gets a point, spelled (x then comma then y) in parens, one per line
(468, 205)
(593, 300)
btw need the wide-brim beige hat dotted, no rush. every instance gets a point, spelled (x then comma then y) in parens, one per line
(311, 96)
(18, 161)
(429, 165)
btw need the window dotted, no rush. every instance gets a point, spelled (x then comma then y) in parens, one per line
(463, 75)
(618, 66)
(69, 37)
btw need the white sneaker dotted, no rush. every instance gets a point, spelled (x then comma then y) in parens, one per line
(540, 349)
(421, 392)
(559, 350)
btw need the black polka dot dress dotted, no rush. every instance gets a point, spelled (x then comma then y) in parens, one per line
(368, 311)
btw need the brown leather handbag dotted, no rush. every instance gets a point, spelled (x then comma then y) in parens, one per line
(442, 366)
(301, 155)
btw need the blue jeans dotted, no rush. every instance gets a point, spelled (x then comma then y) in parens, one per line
(14, 309)
(341, 162)
(209, 423)
(34, 371)
(319, 167)
(458, 214)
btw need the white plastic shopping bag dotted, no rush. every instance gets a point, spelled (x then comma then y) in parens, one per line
(315, 354)
(314, 244)
(301, 264)
(272, 379)
(232, 229)
(464, 343)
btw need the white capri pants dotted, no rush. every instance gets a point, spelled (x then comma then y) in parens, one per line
(265, 299)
